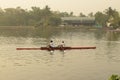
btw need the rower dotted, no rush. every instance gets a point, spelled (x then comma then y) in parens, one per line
(62, 45)
(51, 45)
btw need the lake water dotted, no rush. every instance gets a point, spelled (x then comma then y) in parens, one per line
(94, 64)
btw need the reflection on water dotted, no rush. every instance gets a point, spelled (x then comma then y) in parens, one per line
(112, 36)
(69, 65)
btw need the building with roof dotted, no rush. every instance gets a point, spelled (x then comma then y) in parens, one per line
(78, 21)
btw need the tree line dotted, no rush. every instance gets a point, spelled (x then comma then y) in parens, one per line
(34, 17)
(109, 15)
(45, 17)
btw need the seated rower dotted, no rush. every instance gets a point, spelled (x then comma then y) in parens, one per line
(51, 45)
(62, 44)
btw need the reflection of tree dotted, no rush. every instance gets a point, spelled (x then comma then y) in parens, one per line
(112, 36)
(98, 34)
(16, 31)
(49, 32)
(46, 32)
(112, 51)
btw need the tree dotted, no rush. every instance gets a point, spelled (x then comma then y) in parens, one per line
(71, 13)
(91, 14)
(100, 18)
(64, 14)
(114, 77)
(109, 12)
(55, 21)
(113, 17)
(82, 15)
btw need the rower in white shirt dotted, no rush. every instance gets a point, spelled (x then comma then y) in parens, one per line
(51, 44)
(62, 44)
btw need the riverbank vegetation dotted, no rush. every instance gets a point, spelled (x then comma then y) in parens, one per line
(110, 18)
(114, 77)
(46, 17)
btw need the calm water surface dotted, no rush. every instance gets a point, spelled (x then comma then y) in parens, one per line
(98, 64)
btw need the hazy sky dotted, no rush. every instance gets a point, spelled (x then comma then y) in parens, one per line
(77, 6)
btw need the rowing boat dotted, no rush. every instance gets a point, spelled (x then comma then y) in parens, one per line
(56, 48)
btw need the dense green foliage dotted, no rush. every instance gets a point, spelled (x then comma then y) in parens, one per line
(45, 17)
(114, 77)
(109, 15)
(34, 17)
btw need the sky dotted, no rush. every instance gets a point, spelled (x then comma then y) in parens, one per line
(75, 6)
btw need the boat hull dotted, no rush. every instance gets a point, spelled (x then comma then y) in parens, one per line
(56, 48)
